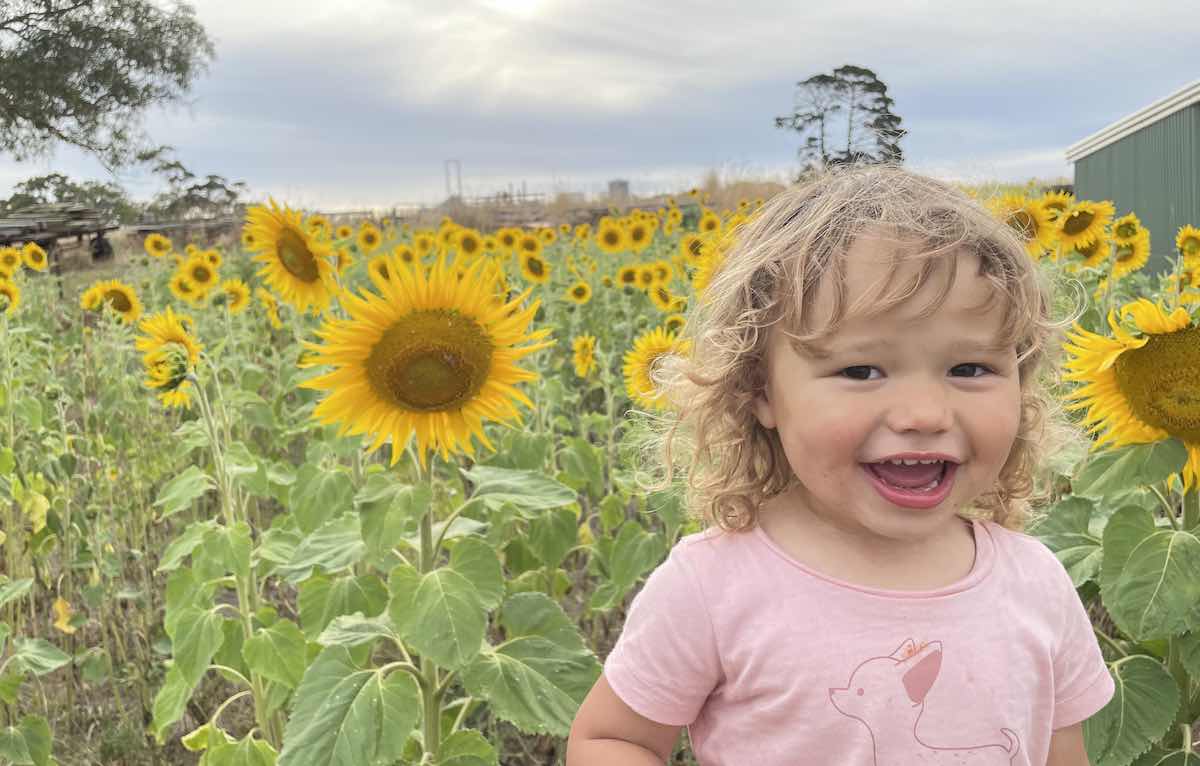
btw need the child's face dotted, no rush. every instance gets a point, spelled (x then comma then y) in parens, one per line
(919, 389)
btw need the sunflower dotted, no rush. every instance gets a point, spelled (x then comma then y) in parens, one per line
(674, 323)
(270, 306)
(236, 294)
(1055, 202)
(200, 273)
(470, 243)
(342, 259)
(714, 257)
(34, 256)
(423, 242)
(117, 295)
(639, 236)
(344, 232)
(213, 257)
(1142, 388)
(318, 225)
(507, 238)
(606, 281)
(663, 300)
(579, 293)
(1187, 241)
(10, 296)
(248, 239)
(529, 244)
(1029, 220)
(611, 238)
(491, 244)
(377, 267)
(369, 237)
(628, 275)
(1095, 253)
(534, 269)
(1127, 228)
(296, 265)
(662, 272)
(447, 236)
(582, 232)
(1083, 222)
(157, 245)
(547, 236)
(639, 365)
(183, 289)
(433, 359)
(691, 247)
(1131, 256)
(169, 354)
(584, 355)
(645, 277)
(10, 259)
(710, 223)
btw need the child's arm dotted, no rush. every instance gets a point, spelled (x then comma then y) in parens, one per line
(606, 731)
(1066, 747)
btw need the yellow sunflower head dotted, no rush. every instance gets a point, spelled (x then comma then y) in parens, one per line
(662, 271)
(579, 293)
(645, 276)
(529, 244)
(649, 349)
(201, 273)
(423, 242)
(547, 236)
(534, 269)
(170, 355)
(1096, 252)
(1083, 222)
(507, 237)
(611, 238)
(236, 295)
(470, 243)
(1139, 385)
(190, 249)
(1055, 202)
(1187, 241)
(491, 244)
(584, 355)
(344, 231)
(369, 237)
(10, 259)
(691, 247)
(1130, 256)
(628, 276)
(432, 358)
(318, 225)
(710, 223)
(157, 245)
(295, 264)
(639, 236)
(343, 259)
(674, 323)
(117, 295)
(183, 289)
(34, 256)
(248, 239)
(1030, 220)
(1126, 229)
(213, 257)
(10, 297)
(377, 267)
(270, 307)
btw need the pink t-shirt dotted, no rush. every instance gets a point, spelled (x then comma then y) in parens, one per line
(770, 662)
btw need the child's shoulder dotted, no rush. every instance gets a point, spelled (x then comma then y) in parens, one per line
(1023, 551)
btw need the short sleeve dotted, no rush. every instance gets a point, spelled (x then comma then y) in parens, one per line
(665, 662)
(1082, 683)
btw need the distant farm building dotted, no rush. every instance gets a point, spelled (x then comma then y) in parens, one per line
(1148, 163)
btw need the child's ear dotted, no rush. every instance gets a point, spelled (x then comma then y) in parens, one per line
(763, 410)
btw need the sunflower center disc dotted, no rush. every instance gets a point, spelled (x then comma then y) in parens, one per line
(295, 256)
(1023, 223)
(1159, 380)
(534, 266)
(430, 361)
(1078, 222)
(119, 301)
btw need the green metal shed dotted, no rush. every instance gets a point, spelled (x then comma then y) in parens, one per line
(1148, 163)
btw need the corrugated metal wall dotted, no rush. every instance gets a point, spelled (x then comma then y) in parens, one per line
(1155, 173)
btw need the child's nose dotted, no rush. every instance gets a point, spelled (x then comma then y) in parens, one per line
(922, 408)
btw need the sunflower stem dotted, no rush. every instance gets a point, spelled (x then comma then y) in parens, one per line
(431, 718)
(1191, 508)
(1168, 509)
(1179, 672)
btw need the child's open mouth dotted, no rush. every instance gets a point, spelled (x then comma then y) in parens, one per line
(912, 484)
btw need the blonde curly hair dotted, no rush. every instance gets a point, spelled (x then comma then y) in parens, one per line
(774, 266)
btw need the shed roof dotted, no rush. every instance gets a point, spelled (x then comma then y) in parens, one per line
(1180, 99)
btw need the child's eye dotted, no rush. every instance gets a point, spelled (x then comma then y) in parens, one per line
(983, 370)
(858, 372)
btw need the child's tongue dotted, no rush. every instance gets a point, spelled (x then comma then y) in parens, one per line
(908, 475)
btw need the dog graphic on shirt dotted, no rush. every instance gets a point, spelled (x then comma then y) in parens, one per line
(887, 694)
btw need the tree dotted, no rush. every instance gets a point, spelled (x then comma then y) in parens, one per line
(187, 195)
(109, 198)
(851, 102)
(83, 72)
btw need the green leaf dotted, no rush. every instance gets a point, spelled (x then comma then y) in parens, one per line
(278, 653)
(36, 656)
(387, 508)
(27, 743)
(343, 715)
(1150, 578)
(529, 491)
(540, 675)
(169, 702)
(13, 748)
(319, 495)
(467, 747)
(1116, 472)
(181, 547)
(195, 638)
(337, 545)
(355, 630)
(240, 463)
(440, 614)
(225, 550)
(10, 685)
(7, 461)
(1065, 530)
(552, 535)
(250, 751)
(10, 591)
(584, 463)
(475, 560)
(322, 599)
(1140, 712)
(634, 552)
(179, 493)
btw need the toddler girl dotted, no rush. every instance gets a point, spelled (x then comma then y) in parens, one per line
(865, 412)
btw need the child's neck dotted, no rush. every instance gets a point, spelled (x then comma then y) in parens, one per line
(927, 564)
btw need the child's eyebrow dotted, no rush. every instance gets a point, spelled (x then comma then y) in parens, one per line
(962, 345)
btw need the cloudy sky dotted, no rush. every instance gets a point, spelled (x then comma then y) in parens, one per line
(344, 104)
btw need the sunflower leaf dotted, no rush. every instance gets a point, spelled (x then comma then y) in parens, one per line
(529, 491)
(179, 493)
(1138, 714)
(439, 613)
(1117, 472)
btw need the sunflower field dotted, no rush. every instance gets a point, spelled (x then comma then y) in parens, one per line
(369, 493)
